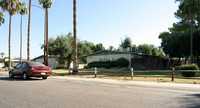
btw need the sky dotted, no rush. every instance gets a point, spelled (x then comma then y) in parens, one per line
(98, 21)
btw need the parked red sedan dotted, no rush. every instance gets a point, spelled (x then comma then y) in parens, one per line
(30, 69)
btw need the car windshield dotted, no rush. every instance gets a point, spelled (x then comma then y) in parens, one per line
(36, 64)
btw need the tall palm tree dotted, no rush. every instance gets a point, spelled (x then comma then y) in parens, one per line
(46, 5)
(187, 9)
(29, 27)
(2, 54)
(1, 17)
(75, 62)
(23, 11)
(12, 8)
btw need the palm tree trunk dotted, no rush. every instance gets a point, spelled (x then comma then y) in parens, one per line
(75, 63)
(29, 26)
(47, 43)
(191, 42)
(21, 42)
(9, 39)
(45, 39)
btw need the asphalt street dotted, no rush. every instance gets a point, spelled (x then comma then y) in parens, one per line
(68, 92)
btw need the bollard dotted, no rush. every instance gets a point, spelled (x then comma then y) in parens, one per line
(95, 72)
(69, 69)
(131, 73)
(173, 69)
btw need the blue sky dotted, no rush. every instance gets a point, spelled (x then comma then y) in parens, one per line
(98, 21)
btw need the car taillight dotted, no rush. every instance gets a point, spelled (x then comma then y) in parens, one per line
(33, 68)
(49, 69)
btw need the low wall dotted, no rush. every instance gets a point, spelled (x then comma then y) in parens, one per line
(149, 63)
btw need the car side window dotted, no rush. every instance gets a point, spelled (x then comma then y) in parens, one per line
(19, 65)
(24, 65)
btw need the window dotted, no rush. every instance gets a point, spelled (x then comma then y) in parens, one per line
(24, 65)
(18, 66)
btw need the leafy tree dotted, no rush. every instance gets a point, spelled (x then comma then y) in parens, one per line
(187, 10)
(145, 48)
(1, 17)
(126, 43)
(99, 47)
(23, 11)
(120, 49)
(2, 54)
(83, 49)
(12, 7)
(46, 4)
(111, 48)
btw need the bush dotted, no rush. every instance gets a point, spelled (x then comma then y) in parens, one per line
(7, 63)
(189, 67)
(122, 62)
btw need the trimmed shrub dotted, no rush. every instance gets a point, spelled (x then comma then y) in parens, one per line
(189, 67)
(7, 63)
(122, 62)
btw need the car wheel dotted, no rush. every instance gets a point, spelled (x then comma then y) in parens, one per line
(44, 77)
(11, 75)
(25, 76)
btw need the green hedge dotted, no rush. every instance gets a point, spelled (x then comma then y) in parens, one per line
(189, 67)
(121, 62)
(7, 63)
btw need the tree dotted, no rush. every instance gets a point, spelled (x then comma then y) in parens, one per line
(46, 4)
(1, 17)
(99, 47)
(111, 48)
(146, 49)
(12, 7)
(29, 30)
(23, 11)
(83, 49)
(126, 43)
(2, 54)
(75, 62)
(188, 10)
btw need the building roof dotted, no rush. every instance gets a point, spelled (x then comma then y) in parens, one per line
(108, 52)
(42, 56)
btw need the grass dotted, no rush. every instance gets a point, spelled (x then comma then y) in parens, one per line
(125, 75)
(3, 70)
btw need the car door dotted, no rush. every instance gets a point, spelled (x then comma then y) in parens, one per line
(16, 69)
(23, 68)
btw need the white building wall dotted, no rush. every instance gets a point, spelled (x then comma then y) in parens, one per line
(109, 57)
(52, 62)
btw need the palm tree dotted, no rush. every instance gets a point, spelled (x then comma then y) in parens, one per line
(75, 62)
(188, 10)
(23, 11)
(12, 8)
(29, 27)
(1, 17)
(2, 54)
(46, 4)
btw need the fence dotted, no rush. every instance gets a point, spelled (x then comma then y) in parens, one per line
(172, 71)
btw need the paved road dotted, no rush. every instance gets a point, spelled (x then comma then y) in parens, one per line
(66, 92)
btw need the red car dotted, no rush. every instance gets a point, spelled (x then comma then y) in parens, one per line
(30, 69)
